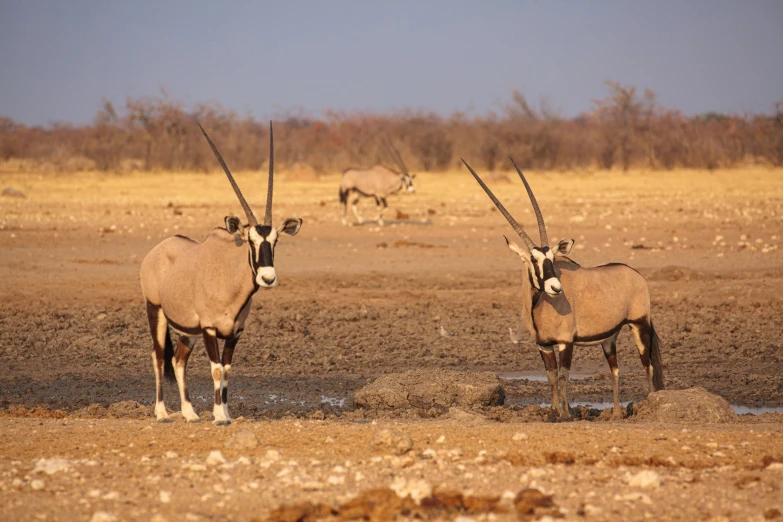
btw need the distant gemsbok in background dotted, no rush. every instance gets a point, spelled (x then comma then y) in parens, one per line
(378, 182)
(565, 305)
(206, 289)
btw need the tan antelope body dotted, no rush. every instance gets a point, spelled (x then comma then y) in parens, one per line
(206, 289)
(378, 182)
(565, 305)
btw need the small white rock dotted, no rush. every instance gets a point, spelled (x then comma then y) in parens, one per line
(520, 435)
(335, 480)
(37, 485)
(215, 458)
(441, 439)
(103, 516)
(644, 479)
(171, 455)
(165, 496)
(775, 466)
(51, 466)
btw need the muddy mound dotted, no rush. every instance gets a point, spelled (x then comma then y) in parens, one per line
(695, 405)
(129, 410)
(426, 389)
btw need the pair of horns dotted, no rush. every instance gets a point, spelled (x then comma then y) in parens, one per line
(251, 218)
(395, 154)
(517, 228)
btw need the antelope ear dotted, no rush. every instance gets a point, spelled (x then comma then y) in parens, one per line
(564, 247)
(523, 253)
(233, 224)
(290, 227)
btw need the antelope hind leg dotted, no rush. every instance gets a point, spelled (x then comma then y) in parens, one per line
(181, 356)
(159, 331)
(610, 352)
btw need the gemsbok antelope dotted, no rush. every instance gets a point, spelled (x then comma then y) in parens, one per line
(378, 182)
(565, 305)
(206, 288)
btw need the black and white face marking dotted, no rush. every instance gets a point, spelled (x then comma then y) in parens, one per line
(262, 241)
(407, 182)
(543, 272)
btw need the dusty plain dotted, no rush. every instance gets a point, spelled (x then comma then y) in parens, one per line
(357, 302)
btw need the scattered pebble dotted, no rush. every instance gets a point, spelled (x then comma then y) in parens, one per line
(644, 479)
(103, 516)
(51, 466)
(390, 441)
(215, 458)
(242, 440)
(165, 496)
(520, 436)
(37, 485)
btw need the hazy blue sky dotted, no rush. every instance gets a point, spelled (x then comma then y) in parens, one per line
(60, 58)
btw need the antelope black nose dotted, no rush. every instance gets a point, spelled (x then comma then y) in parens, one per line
(268, 280)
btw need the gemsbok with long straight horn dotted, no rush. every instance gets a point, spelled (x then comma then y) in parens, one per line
(565, 305)
(378, 182)
(205, 289)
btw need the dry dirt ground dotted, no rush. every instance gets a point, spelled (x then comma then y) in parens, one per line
(357, 302)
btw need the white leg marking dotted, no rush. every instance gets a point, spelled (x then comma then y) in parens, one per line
(218, 380)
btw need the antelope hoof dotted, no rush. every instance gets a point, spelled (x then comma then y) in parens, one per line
(193, 420)
(221, 422)
(163, 420)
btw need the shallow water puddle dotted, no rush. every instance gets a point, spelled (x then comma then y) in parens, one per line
(739, 409)
(537, 377)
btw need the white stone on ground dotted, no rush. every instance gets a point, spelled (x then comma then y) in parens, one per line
(215, 458)
(644, 479)
(103, 516)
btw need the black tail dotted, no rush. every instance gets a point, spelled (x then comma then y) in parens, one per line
(655, 359)
(343, 196)
(168, 355)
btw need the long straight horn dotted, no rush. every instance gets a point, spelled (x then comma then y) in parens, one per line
(517, 228)
(270, 185)
(539, 216)
(251, 218)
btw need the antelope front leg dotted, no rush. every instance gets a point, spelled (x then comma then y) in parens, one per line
(218, 378)
(550, 363)
(355, 209)
(566, 353)
(228, 354)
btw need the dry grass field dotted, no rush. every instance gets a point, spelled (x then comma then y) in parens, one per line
(357, 302)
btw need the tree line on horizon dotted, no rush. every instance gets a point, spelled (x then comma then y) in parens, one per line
(626, 129)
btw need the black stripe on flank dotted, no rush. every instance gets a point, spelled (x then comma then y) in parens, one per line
(619, 264)
(183, 329)
(584, 339)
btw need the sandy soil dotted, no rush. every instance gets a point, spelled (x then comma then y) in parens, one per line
(357, 302)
